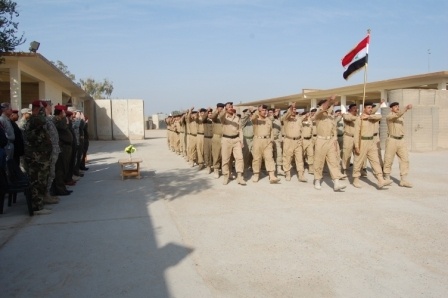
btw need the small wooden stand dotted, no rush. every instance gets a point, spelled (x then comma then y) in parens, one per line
(130, 167)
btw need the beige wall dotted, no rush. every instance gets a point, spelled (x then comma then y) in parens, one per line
(426, 124)
(120, 119)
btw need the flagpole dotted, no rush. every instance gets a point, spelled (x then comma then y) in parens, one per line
(364, 92)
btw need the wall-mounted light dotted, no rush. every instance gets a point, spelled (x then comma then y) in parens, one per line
(34, 46)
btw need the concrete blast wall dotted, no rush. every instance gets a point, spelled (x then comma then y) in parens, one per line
(120, 119)
(426, 126)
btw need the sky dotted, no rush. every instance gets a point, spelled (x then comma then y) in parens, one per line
(178, 54)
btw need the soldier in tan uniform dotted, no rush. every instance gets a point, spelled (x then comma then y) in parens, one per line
(231, 143)
(278, 131)
(208, 135)
(168, 131)
(365, 147)
(308, 142)
(292, 143)
(248, 139)
(395, 143)
(192, 134)
(216, 140)
(339, 129)
(326, 147)
(201, 118)
(182, 136)
(176, 133)
(349, 136)
(263, 142)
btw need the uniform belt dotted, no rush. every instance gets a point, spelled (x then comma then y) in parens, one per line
(307, 138)
(298, 138)
(231, 137)
(208, 137)
(367, 138)
(340, 135)
(375, 134)
(314, 135)
(348, 134)
(249, 138)
(200, 133)
(262, 137)
(324, 138)
(396, 138)
(192, 134)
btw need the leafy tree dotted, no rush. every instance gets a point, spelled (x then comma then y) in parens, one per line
(8, 28)
(97, 89)
(62, 67)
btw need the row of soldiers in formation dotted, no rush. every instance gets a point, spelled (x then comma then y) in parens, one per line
(49, 143)
(216, 139)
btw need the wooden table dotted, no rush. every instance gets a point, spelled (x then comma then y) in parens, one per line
(130, 167)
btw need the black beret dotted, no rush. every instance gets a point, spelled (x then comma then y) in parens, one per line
(220, 105)
(245, 110)
(229, 103)
(394, 104)
(202, 110)
(313, 110)
(337, 111)
(264, 107)
(352, 105)
(271, 109)
(211, 110)
(194, 112)
(303, 113)
(369, 104)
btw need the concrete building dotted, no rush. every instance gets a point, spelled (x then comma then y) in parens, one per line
(426, 125)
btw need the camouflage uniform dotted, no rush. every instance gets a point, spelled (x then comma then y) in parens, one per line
(54, 137)
(38, 149)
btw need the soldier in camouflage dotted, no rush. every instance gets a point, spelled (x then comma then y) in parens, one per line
(38, 149)
(54, 137)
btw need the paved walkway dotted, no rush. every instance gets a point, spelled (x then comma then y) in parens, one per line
(180, 233)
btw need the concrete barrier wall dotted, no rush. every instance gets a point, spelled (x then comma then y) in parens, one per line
(103, 114)
(119, 119)
(426, 125)
(136, 118)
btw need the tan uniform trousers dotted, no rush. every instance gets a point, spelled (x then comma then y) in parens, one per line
(376, 139)
(278, 152)
(293, 148)
(326, 151)
(200, 148)
(308, 151)
(176, 142)
(247, 152)
(192, 153)
(182, 144)
(216, 151)
(399, 148)
(368, 151)
(231, 147)
(347, 151)
(208, 160)
(262, 149)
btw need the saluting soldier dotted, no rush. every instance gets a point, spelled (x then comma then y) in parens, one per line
(231, 143)
(292, 143)
(216, 140)
(278, 132)
(349, 133)
(248, 138)
(193, 132)
(263, 145)
(365, 147)
(326, 147)
(208, 135)
(395, 143)
(307, 141)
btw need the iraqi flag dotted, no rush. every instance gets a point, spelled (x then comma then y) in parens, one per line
(356, 58)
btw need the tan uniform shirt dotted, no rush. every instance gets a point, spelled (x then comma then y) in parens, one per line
(262, 127)
(192, 125)
(208, 128)
(217, 126)
(325, 125)
(349, 124)
(367, 128)
(230, 125)
(395, 124)
(292, 125)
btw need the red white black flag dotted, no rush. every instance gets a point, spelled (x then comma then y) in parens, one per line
(356, 58)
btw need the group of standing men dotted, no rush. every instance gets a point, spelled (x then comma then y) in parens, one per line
(221, 140)
(49, 143)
